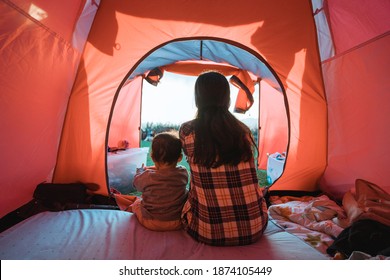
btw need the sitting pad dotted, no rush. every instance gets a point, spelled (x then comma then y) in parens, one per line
(115, 235)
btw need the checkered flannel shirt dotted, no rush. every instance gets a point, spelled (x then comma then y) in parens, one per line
(225, 205)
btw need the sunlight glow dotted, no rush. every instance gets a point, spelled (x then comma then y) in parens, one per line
(172, 101)
(37, 13)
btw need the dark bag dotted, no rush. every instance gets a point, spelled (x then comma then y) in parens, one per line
(55, 196)
(59, 197)
(367, 236)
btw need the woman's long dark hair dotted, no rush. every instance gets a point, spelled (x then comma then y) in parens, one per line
(220, 138)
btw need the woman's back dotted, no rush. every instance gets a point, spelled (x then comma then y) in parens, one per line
(225, 205)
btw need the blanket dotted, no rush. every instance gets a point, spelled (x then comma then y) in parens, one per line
(313, 219)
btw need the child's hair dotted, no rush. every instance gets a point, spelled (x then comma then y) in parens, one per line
(166, 147)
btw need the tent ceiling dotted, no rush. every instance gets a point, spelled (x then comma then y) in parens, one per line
(207, 50)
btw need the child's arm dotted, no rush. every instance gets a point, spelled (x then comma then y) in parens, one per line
(150, 167)
(141, 178)
(140, 170)
(143, 168)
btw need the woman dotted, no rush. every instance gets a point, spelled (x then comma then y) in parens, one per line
(225, 205)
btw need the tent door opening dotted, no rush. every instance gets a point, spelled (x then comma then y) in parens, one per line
(179, 57)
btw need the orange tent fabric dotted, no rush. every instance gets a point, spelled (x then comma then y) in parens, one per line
(71, 69)
(124, 32)
(38, 67)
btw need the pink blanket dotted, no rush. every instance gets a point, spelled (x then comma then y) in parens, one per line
(313, 219)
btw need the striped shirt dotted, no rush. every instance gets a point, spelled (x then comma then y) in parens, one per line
(225, 205)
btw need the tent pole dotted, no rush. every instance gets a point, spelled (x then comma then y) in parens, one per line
(258, 122)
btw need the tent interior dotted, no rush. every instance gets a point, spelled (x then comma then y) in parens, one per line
(71, 86)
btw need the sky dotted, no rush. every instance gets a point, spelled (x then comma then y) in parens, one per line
(172, 101)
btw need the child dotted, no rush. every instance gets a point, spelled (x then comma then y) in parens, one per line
(163, 186)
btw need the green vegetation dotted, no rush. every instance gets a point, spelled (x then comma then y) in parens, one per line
(262, 176)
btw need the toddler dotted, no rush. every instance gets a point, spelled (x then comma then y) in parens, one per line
(163, 185)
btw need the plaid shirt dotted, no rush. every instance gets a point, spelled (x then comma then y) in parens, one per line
(225, 205)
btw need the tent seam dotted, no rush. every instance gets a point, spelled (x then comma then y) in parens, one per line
(37, 22)
(361, 45)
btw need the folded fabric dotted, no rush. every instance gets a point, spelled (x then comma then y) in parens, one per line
(125, 201)
(367, 201)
